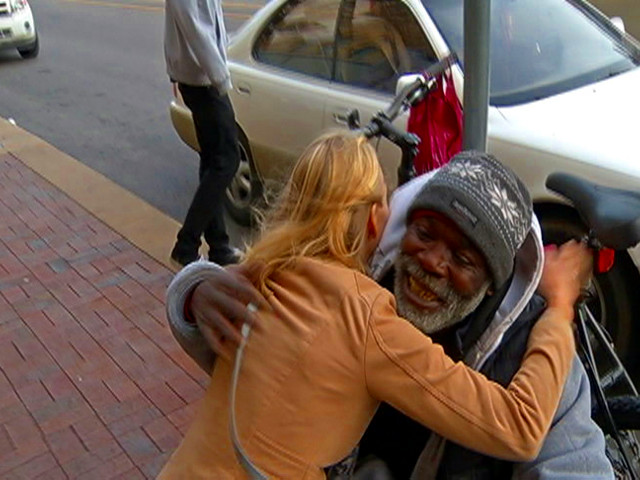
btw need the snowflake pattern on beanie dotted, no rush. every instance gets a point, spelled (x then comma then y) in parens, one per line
(487, 183)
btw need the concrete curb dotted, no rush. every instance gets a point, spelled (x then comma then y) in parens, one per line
(136, 220)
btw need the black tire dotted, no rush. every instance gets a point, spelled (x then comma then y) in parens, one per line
(245, 190)
(30, 51)
(625, 411)
(617, 305)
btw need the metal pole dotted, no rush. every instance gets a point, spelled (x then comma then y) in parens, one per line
(477, 16)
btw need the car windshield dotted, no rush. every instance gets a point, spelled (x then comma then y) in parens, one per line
(541, 48)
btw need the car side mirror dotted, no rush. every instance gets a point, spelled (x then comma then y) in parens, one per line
(618, 23)
(405, 80)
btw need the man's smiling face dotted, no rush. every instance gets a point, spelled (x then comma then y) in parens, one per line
(441, 276)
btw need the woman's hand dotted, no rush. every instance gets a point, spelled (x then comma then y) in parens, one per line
(567, 270)
(219, 307)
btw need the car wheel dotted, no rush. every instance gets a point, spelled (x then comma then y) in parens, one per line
(616, 305)
(245, 188)
(30, 51)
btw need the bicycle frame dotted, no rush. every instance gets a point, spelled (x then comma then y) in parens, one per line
(585, 322)
(382, 122)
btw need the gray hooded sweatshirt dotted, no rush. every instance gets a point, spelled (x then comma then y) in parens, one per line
(195, 43)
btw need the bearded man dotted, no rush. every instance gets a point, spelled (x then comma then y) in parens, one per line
(463, 254)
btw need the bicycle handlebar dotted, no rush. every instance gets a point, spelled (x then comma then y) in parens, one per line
(417, 89)
(381, 124)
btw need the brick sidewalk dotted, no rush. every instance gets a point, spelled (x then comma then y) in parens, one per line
(92, 384)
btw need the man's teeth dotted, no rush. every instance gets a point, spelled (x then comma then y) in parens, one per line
(419, 290)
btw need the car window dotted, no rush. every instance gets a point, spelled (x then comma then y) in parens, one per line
(301, 38)
(540, 47)
(377, 42)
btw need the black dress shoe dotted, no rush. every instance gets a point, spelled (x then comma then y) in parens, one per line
(182, 258)
(225, 256)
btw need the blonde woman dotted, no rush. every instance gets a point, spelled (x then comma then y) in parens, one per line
(332, 347)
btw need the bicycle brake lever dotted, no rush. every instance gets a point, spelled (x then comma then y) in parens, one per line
(587, 292)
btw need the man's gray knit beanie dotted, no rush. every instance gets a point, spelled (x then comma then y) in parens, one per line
(487, 201)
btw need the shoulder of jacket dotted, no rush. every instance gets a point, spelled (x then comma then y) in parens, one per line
(371, 291)
(346, 283)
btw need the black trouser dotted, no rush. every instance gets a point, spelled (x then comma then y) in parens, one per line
(217, 135)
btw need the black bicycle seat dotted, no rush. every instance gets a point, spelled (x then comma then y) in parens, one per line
(612, 214)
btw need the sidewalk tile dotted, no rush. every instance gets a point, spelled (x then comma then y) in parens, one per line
(34, 468)
(92, 384)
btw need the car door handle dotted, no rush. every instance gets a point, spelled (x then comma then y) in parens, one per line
(244, 88)
(341, 118)
(350, 118)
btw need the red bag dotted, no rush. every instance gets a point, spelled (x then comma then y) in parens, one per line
(437, 120)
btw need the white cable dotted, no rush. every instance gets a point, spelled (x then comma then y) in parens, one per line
(253, 471)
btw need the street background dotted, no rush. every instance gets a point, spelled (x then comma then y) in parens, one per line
(92, 383)
(99, 92)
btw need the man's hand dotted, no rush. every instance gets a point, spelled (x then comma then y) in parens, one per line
(567, 270)
(219, 307)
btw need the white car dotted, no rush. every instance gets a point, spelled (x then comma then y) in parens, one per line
(565, 96)
(17, 29)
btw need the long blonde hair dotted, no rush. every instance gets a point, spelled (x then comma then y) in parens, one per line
(323, 209)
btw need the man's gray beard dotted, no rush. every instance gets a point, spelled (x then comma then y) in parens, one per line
(456, 307)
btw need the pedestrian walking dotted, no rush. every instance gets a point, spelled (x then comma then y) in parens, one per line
(195, 41)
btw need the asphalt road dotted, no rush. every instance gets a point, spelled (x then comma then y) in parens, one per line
(99, 92)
